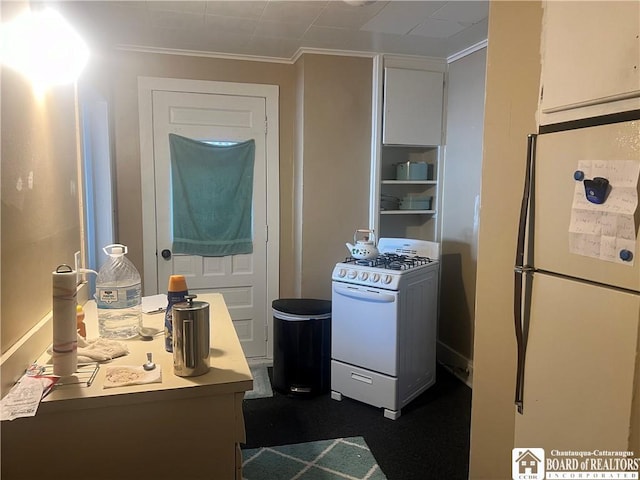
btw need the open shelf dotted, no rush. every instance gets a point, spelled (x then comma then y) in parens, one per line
(407, 212)
(409, 182)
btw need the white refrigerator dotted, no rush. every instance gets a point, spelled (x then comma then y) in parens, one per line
(577, 290)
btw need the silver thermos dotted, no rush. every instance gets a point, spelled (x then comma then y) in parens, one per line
(190, 337)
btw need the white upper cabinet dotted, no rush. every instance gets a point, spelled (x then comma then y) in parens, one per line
(590, 58)
(406, 153)
(412, 107)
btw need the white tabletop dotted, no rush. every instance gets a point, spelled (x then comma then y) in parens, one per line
(229, 370)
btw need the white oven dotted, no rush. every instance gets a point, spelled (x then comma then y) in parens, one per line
(367, 329)
(384, 315)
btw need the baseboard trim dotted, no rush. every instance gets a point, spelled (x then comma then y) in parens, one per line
(455, 362)
(255, 361)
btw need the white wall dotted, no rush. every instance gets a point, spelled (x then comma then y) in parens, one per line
(460, 207)
(336, 164)
(512, 89)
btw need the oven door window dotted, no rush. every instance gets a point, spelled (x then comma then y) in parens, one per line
(364, 327)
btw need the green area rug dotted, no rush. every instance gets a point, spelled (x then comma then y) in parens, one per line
(342, 458)
(261, 383)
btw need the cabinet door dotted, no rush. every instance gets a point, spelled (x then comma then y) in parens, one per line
(412, 107)
(590, 59)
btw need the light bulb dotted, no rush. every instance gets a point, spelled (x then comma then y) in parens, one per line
(44, 47)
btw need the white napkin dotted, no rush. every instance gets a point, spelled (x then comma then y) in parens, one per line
(123, 375)
(98, 350)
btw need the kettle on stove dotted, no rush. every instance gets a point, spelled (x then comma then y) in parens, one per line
(364, 248)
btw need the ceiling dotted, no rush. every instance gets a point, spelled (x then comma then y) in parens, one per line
(275, 29)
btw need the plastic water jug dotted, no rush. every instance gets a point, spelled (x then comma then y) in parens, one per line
(118, 295)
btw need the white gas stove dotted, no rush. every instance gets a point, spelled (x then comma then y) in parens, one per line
(384, 317)
(398, 258)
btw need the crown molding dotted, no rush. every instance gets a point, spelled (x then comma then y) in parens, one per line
(247, 58)
(323, 51)
(255, 58)
(467, 51)
(201, 53)
(301, 51)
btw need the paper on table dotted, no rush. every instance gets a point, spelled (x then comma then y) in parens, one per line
(154, 303)
(123, 375)
(24, 397)
(603, 230)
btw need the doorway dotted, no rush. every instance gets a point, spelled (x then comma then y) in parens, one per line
(213, 112)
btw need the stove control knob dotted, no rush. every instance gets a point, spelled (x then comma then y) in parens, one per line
(353, 274)
(375, 277)
(342, 272)
(387, 279)
(364, 276)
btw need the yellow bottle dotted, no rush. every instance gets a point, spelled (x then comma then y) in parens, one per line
(82, 328)
(176, 291)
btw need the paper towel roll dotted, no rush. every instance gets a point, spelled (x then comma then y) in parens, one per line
(65, 336)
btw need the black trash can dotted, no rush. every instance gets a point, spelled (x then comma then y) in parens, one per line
(301, 346)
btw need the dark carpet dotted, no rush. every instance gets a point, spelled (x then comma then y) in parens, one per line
(429, 441)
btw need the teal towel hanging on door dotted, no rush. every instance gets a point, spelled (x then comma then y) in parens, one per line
(212, 189)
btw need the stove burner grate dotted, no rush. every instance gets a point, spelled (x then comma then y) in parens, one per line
(391, 261)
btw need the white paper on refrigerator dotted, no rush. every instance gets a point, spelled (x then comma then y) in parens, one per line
(603, 230)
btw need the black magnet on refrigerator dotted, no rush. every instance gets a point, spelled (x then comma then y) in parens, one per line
(596, 189)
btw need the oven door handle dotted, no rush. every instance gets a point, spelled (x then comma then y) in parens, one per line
(369, 295)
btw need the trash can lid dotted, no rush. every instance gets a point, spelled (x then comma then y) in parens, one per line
(302, 306)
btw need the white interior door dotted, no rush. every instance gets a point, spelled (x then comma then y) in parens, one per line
(241, 279)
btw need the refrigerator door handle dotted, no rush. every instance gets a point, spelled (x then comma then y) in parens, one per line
(520, 273)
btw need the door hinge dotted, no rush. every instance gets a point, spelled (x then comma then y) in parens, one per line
(266, 126)
(266, 233)
(266, 332)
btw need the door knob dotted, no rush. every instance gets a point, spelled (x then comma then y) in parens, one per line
(166, 254)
